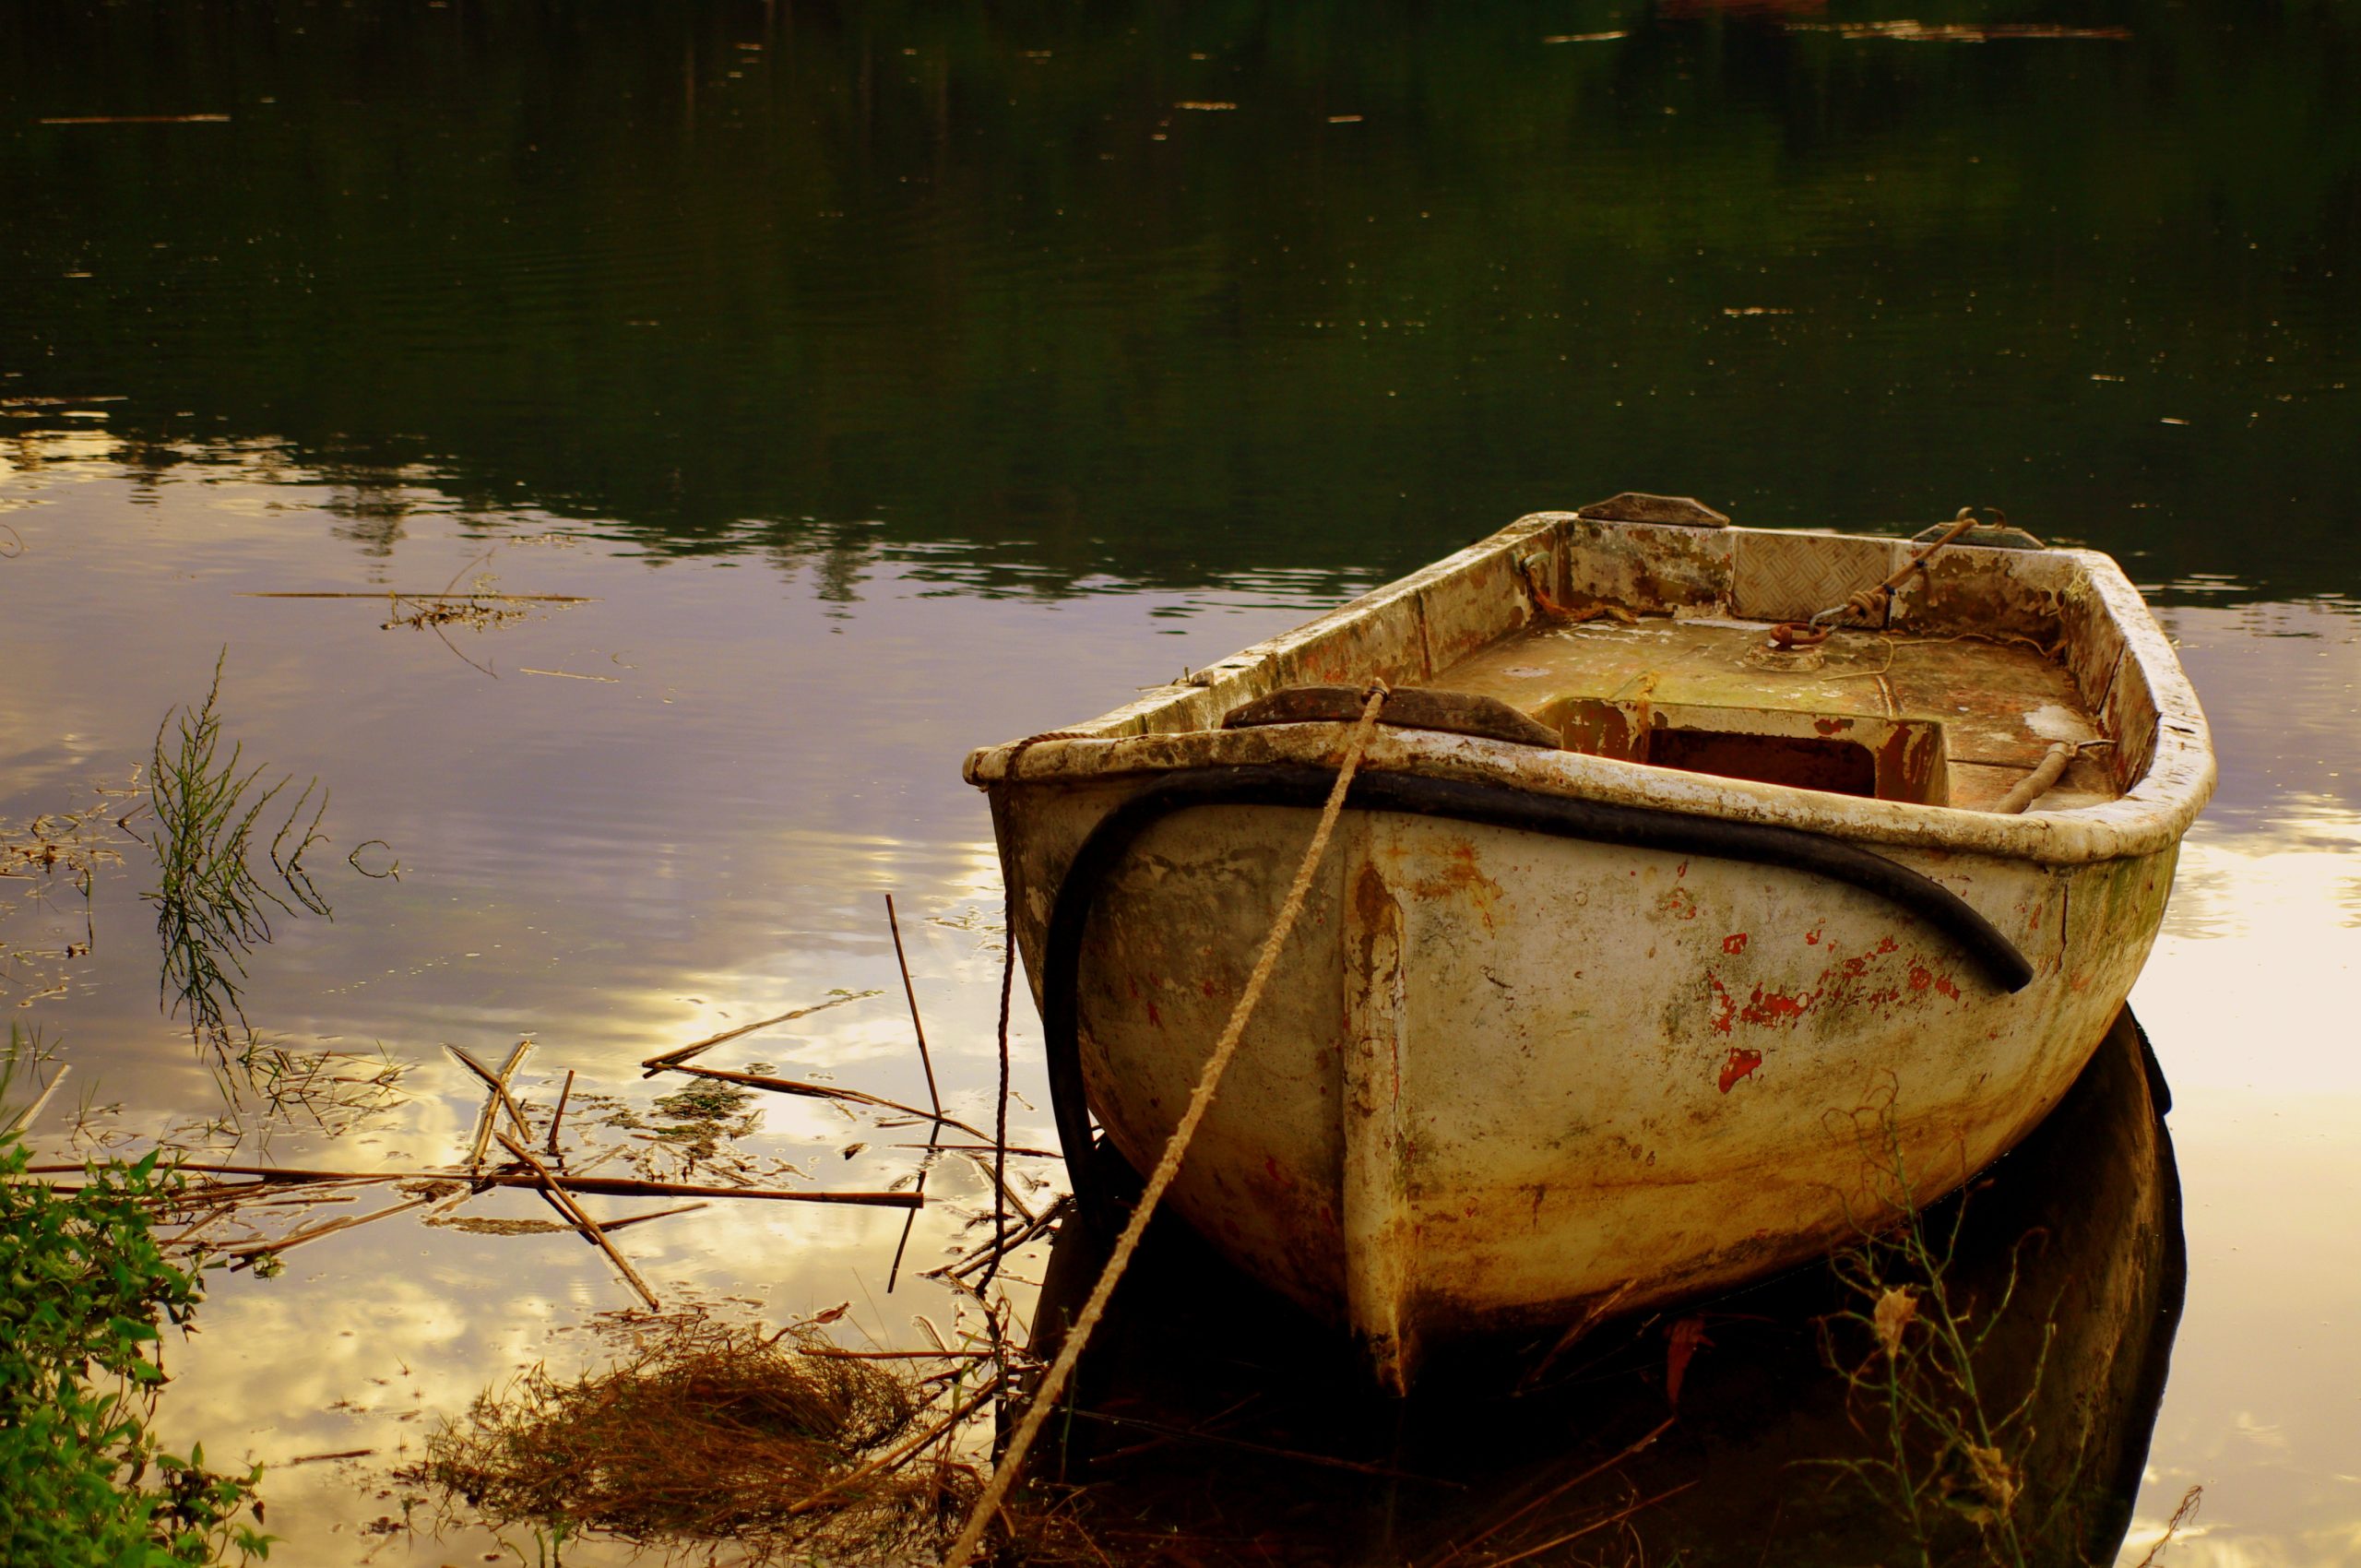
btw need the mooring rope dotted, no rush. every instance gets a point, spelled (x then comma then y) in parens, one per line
(1045, 1398)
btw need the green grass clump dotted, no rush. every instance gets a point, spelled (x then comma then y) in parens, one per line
(85, 1290)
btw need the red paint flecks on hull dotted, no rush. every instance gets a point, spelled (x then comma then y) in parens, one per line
(1725, 1006)
(1772, 1007)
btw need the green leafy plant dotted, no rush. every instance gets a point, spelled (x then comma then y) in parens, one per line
(211, 908)
(87, 1290)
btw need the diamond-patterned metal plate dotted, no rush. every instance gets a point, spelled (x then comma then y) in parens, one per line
(1785, 576)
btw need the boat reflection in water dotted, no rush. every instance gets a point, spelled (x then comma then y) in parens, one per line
(1212, 1423)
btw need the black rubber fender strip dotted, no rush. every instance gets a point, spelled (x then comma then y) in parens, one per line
(1498, 805)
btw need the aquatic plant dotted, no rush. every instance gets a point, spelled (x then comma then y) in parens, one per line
(694, 1124)
(82, 1479)
(211, 907)
(1950, 1447)
(335, 1091)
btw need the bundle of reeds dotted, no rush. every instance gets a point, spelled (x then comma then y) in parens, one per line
(713, 1430)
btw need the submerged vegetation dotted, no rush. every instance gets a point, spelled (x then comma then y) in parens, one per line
(53, 850)
(212, 908)
(686, 1128)
(332, 1091)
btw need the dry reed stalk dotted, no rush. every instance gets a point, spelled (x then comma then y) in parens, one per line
(935, 1128)
(824, 1091)
(24, 1118)
(558, 1116)
(1593, 1526)
(247, 1252)
(499, 1086)
(605, 1186)
(673, 1058)
(1556, 1491)
(999, 1105)
(564, 1202)
(998, 1171)
(1003, 1244)
(1591, 1317)
(482, 1144)
(611, 1225)
(132, 120)
(918, 1026)
(1218, 1440)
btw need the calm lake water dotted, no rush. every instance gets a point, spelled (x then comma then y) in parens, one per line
(892, 379)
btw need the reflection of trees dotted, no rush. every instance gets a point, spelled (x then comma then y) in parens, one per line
(837, 554)
(931, 267)
(372, 515)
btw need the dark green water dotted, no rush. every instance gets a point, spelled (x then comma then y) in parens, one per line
(894, 379)
(836, 280)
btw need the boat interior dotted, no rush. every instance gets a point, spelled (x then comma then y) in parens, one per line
(1945, 721)
(1996, 675)
(1965, 667)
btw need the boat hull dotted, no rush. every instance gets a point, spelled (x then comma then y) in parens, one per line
(1505, 1079)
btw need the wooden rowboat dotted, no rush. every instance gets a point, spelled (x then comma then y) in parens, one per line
(1695, 875)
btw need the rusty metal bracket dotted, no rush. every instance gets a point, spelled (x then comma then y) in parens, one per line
(1456, 800)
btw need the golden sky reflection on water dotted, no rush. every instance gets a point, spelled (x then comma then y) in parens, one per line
(696, 834)
(2247, 999)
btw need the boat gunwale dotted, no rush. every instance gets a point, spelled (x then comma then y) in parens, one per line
(2151, 816)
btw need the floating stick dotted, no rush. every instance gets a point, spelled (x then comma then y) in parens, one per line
(611, 1187)
(499, 1085)
(24, 1118)
(482, 1141)
(559, 1115)
(828, 1091)
(563, 1201)
(673, 1058)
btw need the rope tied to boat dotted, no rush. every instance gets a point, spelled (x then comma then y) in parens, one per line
(1167, 1167)
(1873, 602)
